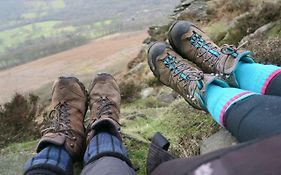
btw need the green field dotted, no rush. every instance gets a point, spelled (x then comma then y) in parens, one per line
(46, 5)
(13, 37)
(34, 15)
(30, 30)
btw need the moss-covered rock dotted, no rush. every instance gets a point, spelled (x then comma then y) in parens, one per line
(192, 10)
(267, 51)
(251, 21)
(265, 43)
(275, 31)
(158, 33)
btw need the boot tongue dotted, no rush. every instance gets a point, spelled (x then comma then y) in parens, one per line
(234, 55)
(209, 79)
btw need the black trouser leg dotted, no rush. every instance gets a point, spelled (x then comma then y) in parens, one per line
(274, 87)
(254, 117)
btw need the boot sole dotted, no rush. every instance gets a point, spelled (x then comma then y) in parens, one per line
(152, 58)
(169, 34)
(176, 31)
(150, 61)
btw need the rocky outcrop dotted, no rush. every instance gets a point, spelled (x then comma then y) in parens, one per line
(249, 22)
(219, 140)
(265, 43)
(191, 10)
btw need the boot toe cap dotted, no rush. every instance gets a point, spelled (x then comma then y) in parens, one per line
(176, 31)
(155, 49)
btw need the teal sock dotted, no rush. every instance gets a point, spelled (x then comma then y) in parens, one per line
(219, 99)
(255, 77)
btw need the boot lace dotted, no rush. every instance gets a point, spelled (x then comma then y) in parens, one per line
(185, 73)
(205, 50)
(211, 53)
(231, 50)
(60, 121)
(104, 108)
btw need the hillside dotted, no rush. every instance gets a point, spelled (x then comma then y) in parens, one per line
(33, 29)
(147, 105)
(111, 53)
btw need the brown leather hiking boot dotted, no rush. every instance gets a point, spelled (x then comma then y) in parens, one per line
(173, 71)
(68, 108)
(104, 104)
(193, 44)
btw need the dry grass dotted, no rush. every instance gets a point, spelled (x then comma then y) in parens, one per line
(267, 51)
(18, 118)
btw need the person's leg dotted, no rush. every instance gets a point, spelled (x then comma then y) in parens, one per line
(274, 85)
(105, 153)
(220, 99)
(263, 79)
(230, 107)
(63, 141)
(246, 115)
(260, 156)
(254, 117)
(213, 95)
(108, 165)
(52, 160)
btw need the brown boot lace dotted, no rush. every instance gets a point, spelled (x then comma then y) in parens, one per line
(104, 108)
(61, 121)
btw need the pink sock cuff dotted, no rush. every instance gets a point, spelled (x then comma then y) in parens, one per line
(231, 101)
(269, 78)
